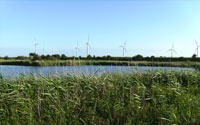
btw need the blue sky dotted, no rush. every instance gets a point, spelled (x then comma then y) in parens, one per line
(150, 27)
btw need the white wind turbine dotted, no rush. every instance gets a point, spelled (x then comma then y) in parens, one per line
(172, 50)
(123, 48)
(77, 49)
(36, 44)
(43, 49)
(197, 49)
(88, 45)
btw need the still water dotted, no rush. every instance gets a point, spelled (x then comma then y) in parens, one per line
(50, 70)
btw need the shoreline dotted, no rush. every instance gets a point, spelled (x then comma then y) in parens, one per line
(182, 64)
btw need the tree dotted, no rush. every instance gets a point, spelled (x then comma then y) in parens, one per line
(6, 57)
(43, 57)
(108, 57)
(182, 59)
(138, 57)
(57, 56)
(32, 54)
(194, 56)
(152, 57)
(36, 57)
(89, 57)
(63, 57)
(21, 57)
(49, 57)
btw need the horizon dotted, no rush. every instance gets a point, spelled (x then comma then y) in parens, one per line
(150, 27)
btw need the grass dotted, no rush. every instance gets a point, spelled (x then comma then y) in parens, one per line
(151, 97)
(99, 62)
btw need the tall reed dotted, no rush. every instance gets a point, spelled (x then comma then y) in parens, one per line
(151, 97)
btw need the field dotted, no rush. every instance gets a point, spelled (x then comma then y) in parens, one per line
(151, 97)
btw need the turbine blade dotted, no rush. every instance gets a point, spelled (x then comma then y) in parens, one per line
(88, 38)
(89, 46)
(169, 50)
(125, 43)
(174, 51)
(196, 43)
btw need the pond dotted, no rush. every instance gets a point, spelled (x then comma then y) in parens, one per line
(50, 70)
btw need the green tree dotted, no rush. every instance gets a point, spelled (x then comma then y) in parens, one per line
(36, 57)
(32, 54)
(194, 56)
(57, 56)
(138, 57)
(43, 57)
(89, 57)
(63, 57)
(6, 57)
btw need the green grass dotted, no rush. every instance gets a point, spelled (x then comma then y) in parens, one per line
(151, 97)
(99, 62)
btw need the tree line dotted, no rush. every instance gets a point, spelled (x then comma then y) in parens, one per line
(34, 57)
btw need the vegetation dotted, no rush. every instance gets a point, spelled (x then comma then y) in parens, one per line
(138, 57)
(34, 57)
(195, 65)
(151, 97)
(63, 60)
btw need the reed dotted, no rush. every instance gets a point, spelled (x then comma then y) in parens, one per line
(99, 62)
(150, 97)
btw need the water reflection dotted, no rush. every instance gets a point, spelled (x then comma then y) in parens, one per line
(48, 70)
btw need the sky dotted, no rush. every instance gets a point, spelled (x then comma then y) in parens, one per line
(149, 26)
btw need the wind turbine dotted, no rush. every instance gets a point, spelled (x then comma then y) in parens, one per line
(123, 48)
(43, 51)
(88, 45)
(36, 44)
(197, 49)
(172, 50)
(77, 49)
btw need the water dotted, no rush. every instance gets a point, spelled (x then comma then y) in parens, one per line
(50, 70)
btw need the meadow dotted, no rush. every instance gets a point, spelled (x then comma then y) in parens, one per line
(150, 97)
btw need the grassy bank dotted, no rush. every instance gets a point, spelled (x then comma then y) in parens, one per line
(152, 97)
(97, 62)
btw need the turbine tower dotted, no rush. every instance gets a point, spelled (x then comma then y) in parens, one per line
(43, 51)
(77, 49)
(197, 49)
(172, 50)
(123, 48)
(88, 45)
(36, 44)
